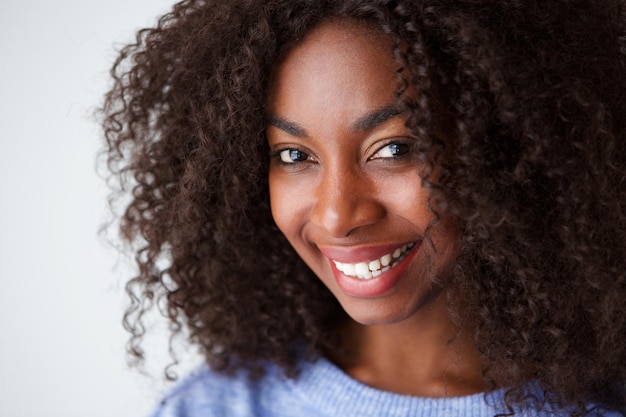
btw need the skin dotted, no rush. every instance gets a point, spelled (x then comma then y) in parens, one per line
(343, 182)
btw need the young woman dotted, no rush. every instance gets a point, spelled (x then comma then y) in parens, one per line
(385, 208)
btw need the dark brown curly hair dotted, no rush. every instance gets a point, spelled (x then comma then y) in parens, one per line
(535, 173)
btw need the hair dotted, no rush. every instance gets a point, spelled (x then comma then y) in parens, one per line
(534, 172)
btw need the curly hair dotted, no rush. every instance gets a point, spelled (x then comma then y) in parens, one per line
(535, 173)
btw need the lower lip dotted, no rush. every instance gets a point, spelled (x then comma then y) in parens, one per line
(374, 287)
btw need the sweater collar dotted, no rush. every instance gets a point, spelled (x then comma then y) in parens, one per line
(334, 392)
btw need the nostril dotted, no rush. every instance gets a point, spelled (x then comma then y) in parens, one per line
(341, 213)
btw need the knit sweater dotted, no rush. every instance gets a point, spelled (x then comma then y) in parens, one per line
(320, 390)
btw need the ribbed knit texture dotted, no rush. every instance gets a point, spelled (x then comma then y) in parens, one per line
(334, 393)
(321, 390)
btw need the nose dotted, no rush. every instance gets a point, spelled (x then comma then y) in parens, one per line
(345, 201)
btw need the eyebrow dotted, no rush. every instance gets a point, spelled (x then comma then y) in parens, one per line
(292, 128)
(367, 122)
(375, 118)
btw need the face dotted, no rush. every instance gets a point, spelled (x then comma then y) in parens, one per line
(344, 187)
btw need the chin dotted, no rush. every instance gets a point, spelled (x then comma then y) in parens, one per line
(388, 311)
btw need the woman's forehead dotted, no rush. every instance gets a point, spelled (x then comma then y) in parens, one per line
(339, 60)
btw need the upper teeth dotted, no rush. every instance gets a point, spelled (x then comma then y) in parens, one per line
(371, 269)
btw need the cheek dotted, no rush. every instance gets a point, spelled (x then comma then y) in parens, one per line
(276, 202)
(285, 205)
(405, 196)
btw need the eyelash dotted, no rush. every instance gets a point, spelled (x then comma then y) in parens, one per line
(402, 148)
(277, 156)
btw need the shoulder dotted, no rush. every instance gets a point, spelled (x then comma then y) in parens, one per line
(540, 403)
(204, 392)
(207, 393)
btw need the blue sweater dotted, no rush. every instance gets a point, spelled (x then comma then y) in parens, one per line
(321, 389)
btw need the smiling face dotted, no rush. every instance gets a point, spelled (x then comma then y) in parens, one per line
(344, 187)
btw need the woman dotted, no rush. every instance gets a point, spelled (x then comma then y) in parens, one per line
(380, 207)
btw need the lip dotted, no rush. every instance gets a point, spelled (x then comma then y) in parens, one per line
(359, 254)
(374, 287)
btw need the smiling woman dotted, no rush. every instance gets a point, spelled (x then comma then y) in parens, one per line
(354, 194)
(384, 208)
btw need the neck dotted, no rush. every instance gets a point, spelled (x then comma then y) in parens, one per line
(424, 355)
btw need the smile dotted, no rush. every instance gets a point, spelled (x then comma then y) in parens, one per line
(374, 268)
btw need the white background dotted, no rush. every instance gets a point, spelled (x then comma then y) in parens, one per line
(61, 292)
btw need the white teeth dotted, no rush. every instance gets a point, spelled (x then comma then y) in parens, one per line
(339, 265)
(372, 269)
(348, 269)
(361, 269)
(374, 265)
(367, 275)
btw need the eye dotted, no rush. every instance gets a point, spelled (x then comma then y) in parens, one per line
(392, 150)
(291, 156)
